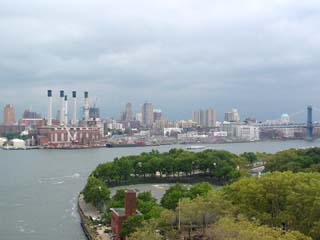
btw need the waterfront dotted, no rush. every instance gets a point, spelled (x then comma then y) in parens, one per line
(38, 188)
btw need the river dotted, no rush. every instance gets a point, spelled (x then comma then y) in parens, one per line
(38, 188)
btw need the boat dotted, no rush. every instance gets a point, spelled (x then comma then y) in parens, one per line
(137, 144)
(195, 147)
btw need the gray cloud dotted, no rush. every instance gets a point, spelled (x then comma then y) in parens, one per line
(258, 56)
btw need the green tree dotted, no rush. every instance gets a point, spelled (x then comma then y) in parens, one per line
(131, 225)
(242, 229)
(200, 189)
(278, 199)
(172, 195)
(96, 192)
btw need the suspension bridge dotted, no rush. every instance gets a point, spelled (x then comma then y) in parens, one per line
(309, 125)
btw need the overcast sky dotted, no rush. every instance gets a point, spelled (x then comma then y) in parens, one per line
(262, 57)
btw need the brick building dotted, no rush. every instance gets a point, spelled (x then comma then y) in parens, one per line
(65, 136)
(120, 215)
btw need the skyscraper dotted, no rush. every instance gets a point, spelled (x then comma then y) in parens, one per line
(128, 113)
(9, 114)
(202, 115)
(196, 117)
(210, 118)
(147, 114)
(157, 114)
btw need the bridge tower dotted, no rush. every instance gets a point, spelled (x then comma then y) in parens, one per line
(309, 123)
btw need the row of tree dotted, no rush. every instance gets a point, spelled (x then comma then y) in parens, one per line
(281, 206)
(295, 160)
(222, 165)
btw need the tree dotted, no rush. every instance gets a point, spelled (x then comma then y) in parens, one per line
(200, 189)
(148, 231)
(122, 168)
(117, 199)
(242, 229)
(250, 157)
(104, 171)
(172, 195)
(131, 225)
(280, 199)
(96, 192)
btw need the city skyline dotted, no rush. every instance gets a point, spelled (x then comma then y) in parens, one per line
(177, 55)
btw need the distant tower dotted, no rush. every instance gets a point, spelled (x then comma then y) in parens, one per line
(62, 107)
(147, 114)
(309, 123)
(74, 110)
(86, 106)
(210, 118)
(9, 115)
(128, 112)
(65, 110)
(49, 123)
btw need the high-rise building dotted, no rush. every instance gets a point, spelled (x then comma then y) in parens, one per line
(94, 112)
(196, 117)
(128, 113)
(9, 114)
(210, 118)
(202, 115)
(30, 114)
(232, 116)
(157, 114)
(147, 114)
(204, 118)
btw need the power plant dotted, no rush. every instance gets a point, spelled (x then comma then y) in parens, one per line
(62, 133)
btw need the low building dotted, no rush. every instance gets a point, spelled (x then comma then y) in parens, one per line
(18, 144)
(120, 215)
(3, 141)
(248, 132)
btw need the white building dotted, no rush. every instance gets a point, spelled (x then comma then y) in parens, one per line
(3, 141)
(232, 116)
(169, 131)
(247, 132)
(18, 144)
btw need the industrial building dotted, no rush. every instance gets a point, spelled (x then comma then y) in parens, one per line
(66, 133)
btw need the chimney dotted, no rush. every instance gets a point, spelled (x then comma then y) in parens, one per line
(74, 113)
(65, 110)
(62, 107)
(130, 203)
(49, 123)
(86, 106)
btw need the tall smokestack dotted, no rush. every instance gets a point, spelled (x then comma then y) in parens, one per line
(49, 123)
(65, 110)
(86, 106)
(74, 113)
(61, 107)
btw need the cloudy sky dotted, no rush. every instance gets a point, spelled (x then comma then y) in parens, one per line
(262, 57)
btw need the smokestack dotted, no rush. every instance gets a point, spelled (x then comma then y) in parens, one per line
(65, 110)
(74, 114)
(49, 123)
(61, 107)
(86, 106)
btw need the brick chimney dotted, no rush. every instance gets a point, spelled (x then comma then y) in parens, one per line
(130, 203)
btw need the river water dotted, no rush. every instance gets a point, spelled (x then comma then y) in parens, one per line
(38, 188)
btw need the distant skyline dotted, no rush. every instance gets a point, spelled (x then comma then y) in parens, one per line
(261, 57)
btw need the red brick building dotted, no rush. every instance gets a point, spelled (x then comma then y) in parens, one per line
(120, 215)
(64, 136)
